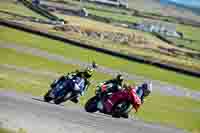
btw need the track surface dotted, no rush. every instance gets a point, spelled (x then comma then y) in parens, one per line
(36, 116)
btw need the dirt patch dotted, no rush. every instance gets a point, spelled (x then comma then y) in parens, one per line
(117, 37)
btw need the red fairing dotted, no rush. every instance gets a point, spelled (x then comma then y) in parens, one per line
(136, 101)
(122, 96)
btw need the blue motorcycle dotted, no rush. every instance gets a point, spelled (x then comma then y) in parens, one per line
(64, 88)
(61, 90)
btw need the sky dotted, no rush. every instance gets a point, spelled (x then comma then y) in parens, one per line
(192, 3)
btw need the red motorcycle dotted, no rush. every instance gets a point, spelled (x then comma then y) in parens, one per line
(118, 104)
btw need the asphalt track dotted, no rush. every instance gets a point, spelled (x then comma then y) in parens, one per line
(35, 116)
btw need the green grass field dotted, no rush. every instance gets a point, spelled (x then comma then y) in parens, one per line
(179, 112)
(9, 56)
(102, 59)
(190, 33)
(12, 7)
(171, 110)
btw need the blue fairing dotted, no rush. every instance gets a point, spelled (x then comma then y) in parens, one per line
(81, 83)
(61, 88)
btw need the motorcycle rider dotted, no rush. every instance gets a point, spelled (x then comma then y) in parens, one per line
(144, 90)
(109, 87)
(113, 85)
(78, 81)
(81, 80)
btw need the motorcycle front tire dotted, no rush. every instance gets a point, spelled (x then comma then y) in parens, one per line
(59, 101)
(63, 98)
(47, 98)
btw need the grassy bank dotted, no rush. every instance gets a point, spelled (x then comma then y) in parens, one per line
(66, 50)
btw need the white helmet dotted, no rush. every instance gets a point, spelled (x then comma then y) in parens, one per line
(147, 88)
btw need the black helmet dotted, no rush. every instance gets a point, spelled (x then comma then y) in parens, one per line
(119, 78)
(147, 88)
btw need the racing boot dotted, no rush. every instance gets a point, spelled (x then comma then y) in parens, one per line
(74, 100)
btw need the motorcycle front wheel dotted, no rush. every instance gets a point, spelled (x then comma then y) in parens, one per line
(91, 105)
(64, 98)
(47, 97)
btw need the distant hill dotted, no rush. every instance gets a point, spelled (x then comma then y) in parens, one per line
(166, 8)
(181, 6)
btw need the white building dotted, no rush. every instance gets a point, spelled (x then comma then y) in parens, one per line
(158, 27)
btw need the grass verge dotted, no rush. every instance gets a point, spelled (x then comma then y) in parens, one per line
(170, 110)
